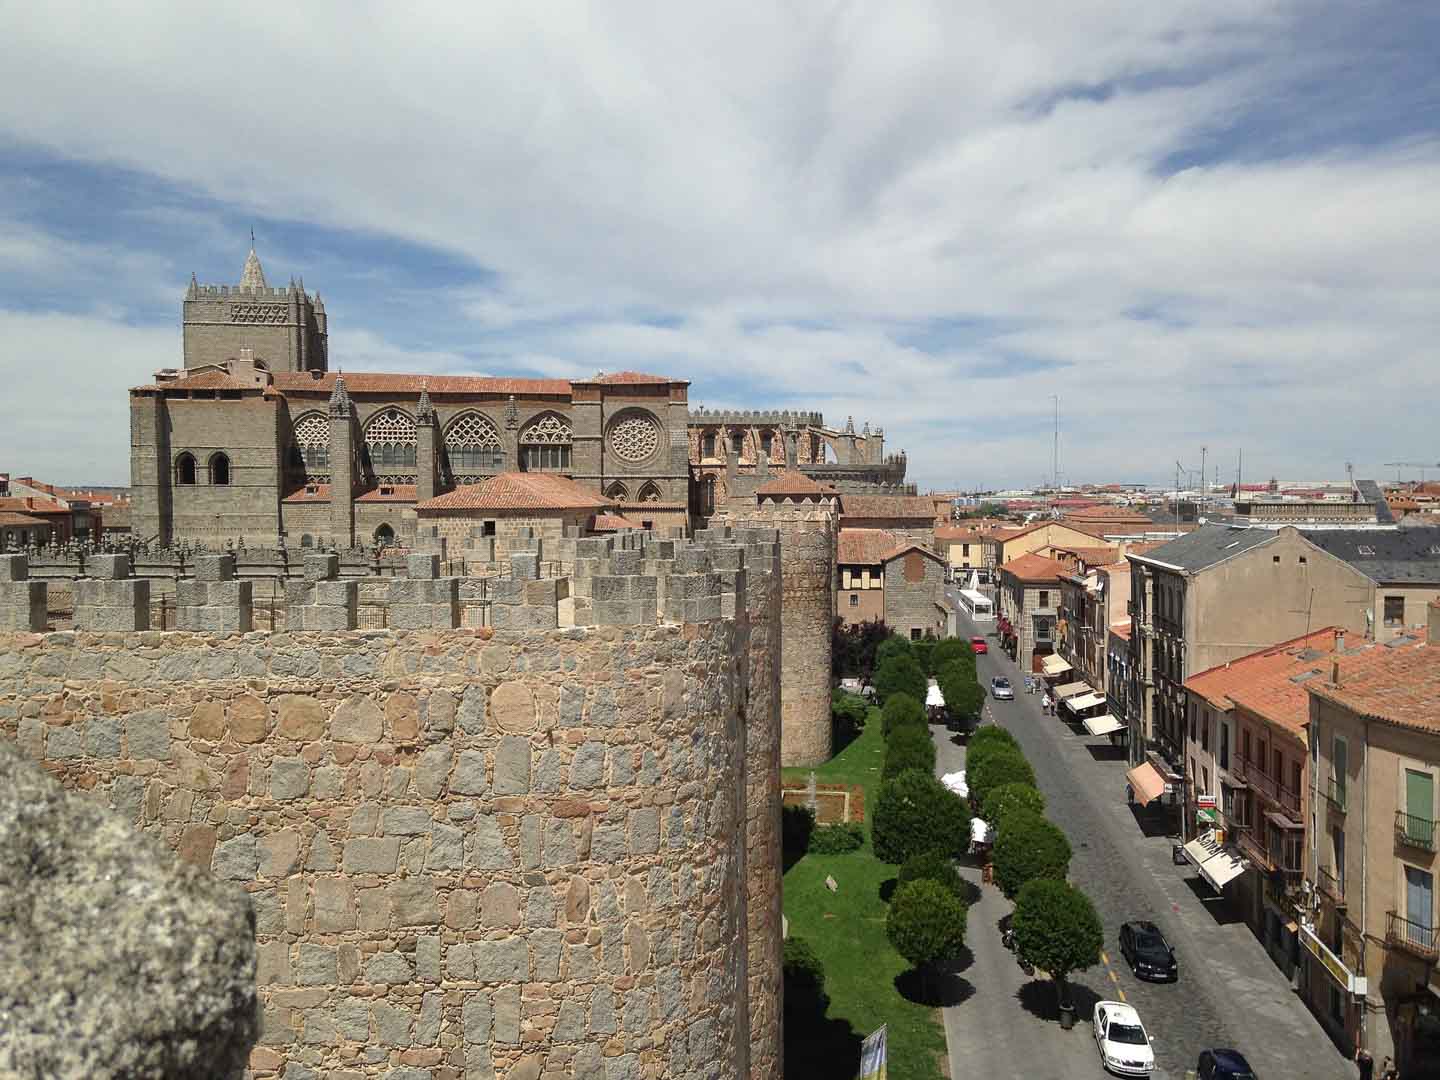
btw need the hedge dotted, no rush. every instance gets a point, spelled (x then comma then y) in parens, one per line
(899, 675)
(837, 839)
(900, 710)
(1006, 798)
(997, 768)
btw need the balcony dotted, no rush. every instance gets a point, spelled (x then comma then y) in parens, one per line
(1413, 831)
(1401, 933)
(1269, 788)
(1331, 886)
(1334, 791)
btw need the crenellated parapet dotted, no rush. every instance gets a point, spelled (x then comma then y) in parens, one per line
(753, 417)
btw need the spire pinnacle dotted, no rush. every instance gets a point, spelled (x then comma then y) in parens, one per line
(339, 398)
(425, 410)
(252, 277)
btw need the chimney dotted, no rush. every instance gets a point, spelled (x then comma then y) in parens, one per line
(1340, 640)
(1334, 672)
(1432, 623)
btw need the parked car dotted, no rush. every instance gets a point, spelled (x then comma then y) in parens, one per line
(1001, 689)
(979, 645)
(1223, 1065)
(1124, 1047)
(1148, 953)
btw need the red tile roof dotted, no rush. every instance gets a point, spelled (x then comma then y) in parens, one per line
(1396, 684)
(887, 506)
(29, 504)
(518, 491)
(1034, 568)
(793, 482)
(8, 518)
(864, 547)
(1263, 682)
(388, 493)
(1090, 556)
(632, 378)
(206, 380)
(952, 534)
(612, 522)
(370, 382)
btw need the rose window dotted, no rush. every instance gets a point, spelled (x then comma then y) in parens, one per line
(635, 438)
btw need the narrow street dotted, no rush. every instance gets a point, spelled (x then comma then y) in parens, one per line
(1229, 992)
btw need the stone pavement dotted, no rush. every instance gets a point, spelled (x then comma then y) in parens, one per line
(1229, 992)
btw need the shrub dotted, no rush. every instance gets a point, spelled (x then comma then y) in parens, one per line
(995, 768)
(963, 696)
(837, 839)
(899, 675)
(846, 707)
(913, 814)
(892, 647)
(923, 651)
(932, 866)
(1028, 848)
(926, 924)
(908, 747)
(1007, 798)
(902, 710)
(1056, 928)
(804, 976)
(797, 823)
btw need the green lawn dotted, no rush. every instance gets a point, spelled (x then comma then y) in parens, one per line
(847, 929)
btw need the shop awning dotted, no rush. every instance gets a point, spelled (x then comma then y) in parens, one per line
(1146, 782)
(1221, 870)
(1103, 724)
(1084, 701)
(1070, 689)
(1056, 665)
(1207, 816)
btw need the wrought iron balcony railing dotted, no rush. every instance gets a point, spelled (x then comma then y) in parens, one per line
(1417, 832)
(1413, 937)
(1334, 791)
(1330, 885)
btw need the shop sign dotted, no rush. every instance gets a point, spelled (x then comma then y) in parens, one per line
(1331, 963)
(1206, 802)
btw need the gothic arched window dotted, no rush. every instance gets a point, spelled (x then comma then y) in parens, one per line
(737, 443)
(707, 445)
(310, 449)
(545, 444)
(649, 493)
(617, 492)
(473, 448)
(390, 441)
(220, 470)
(185, 469)
(767, 443)
(384, 536)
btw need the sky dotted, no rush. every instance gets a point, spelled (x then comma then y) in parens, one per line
(1194, 223)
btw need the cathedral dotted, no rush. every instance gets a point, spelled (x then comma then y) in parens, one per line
(255, 437)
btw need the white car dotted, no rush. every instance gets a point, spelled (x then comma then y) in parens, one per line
(1124, 1047)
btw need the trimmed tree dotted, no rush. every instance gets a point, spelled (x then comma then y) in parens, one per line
(1056, 929)
(926, 925)
(1007, 798)
(909, 747)
(902, 710)
(987, 735)
(963, 696)
(995, 768)
(1028, 848)
(932, 866)
(914, 814)
(899, 675)
(891, 647)
(952, 649)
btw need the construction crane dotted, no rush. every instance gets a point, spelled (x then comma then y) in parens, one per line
(1421, 465)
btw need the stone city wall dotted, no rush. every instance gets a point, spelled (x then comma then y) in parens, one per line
(509, 852)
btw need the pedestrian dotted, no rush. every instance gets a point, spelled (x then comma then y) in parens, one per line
(1045, 705)
(1365, 1063)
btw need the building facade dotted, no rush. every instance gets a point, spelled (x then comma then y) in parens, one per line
(1029, 596)
(890, 578)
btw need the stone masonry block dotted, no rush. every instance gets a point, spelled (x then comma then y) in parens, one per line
(314, 617)
(544, 591)
(215, 568)
(727, 557)
(108, 567)
(422, 567)
(23, 605)
(594, 547)
(337, 593)
(525, 565)
(692, 560)
(406, 591)
(323, 567)
(625, 562)
(14, 567)
(190, 592)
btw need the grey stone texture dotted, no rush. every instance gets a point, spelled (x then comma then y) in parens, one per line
(115, 958)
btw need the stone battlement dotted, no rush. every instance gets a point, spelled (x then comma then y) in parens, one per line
(244, 292)
(752, 417)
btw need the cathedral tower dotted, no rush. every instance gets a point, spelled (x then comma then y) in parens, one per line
(286, 327)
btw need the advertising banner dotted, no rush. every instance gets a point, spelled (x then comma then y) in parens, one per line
(872, 1056)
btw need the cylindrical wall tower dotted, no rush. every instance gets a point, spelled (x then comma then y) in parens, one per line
(807, 612)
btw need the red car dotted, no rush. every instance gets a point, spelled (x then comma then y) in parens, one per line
(977, 645)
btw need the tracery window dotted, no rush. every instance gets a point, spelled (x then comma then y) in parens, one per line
(649, 493)
(390, 441)
(473, 448)
(634, 437)
(545, 444)
(310, 451)
(617, 492)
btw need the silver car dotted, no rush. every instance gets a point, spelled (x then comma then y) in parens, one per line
(1001, 689)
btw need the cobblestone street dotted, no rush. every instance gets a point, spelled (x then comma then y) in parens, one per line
(1229, 992)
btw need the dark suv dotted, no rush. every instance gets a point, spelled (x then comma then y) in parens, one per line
(1223, 1065)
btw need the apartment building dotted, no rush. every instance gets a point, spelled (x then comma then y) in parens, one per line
(1217, 594)
(1029, 597)
(891, 578)
(1369, 933)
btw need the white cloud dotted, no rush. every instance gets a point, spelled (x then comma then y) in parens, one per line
(858, 170)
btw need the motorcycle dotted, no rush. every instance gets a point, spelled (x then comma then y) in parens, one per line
(1007, 938)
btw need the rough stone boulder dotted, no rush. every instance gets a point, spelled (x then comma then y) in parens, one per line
(117, 961)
